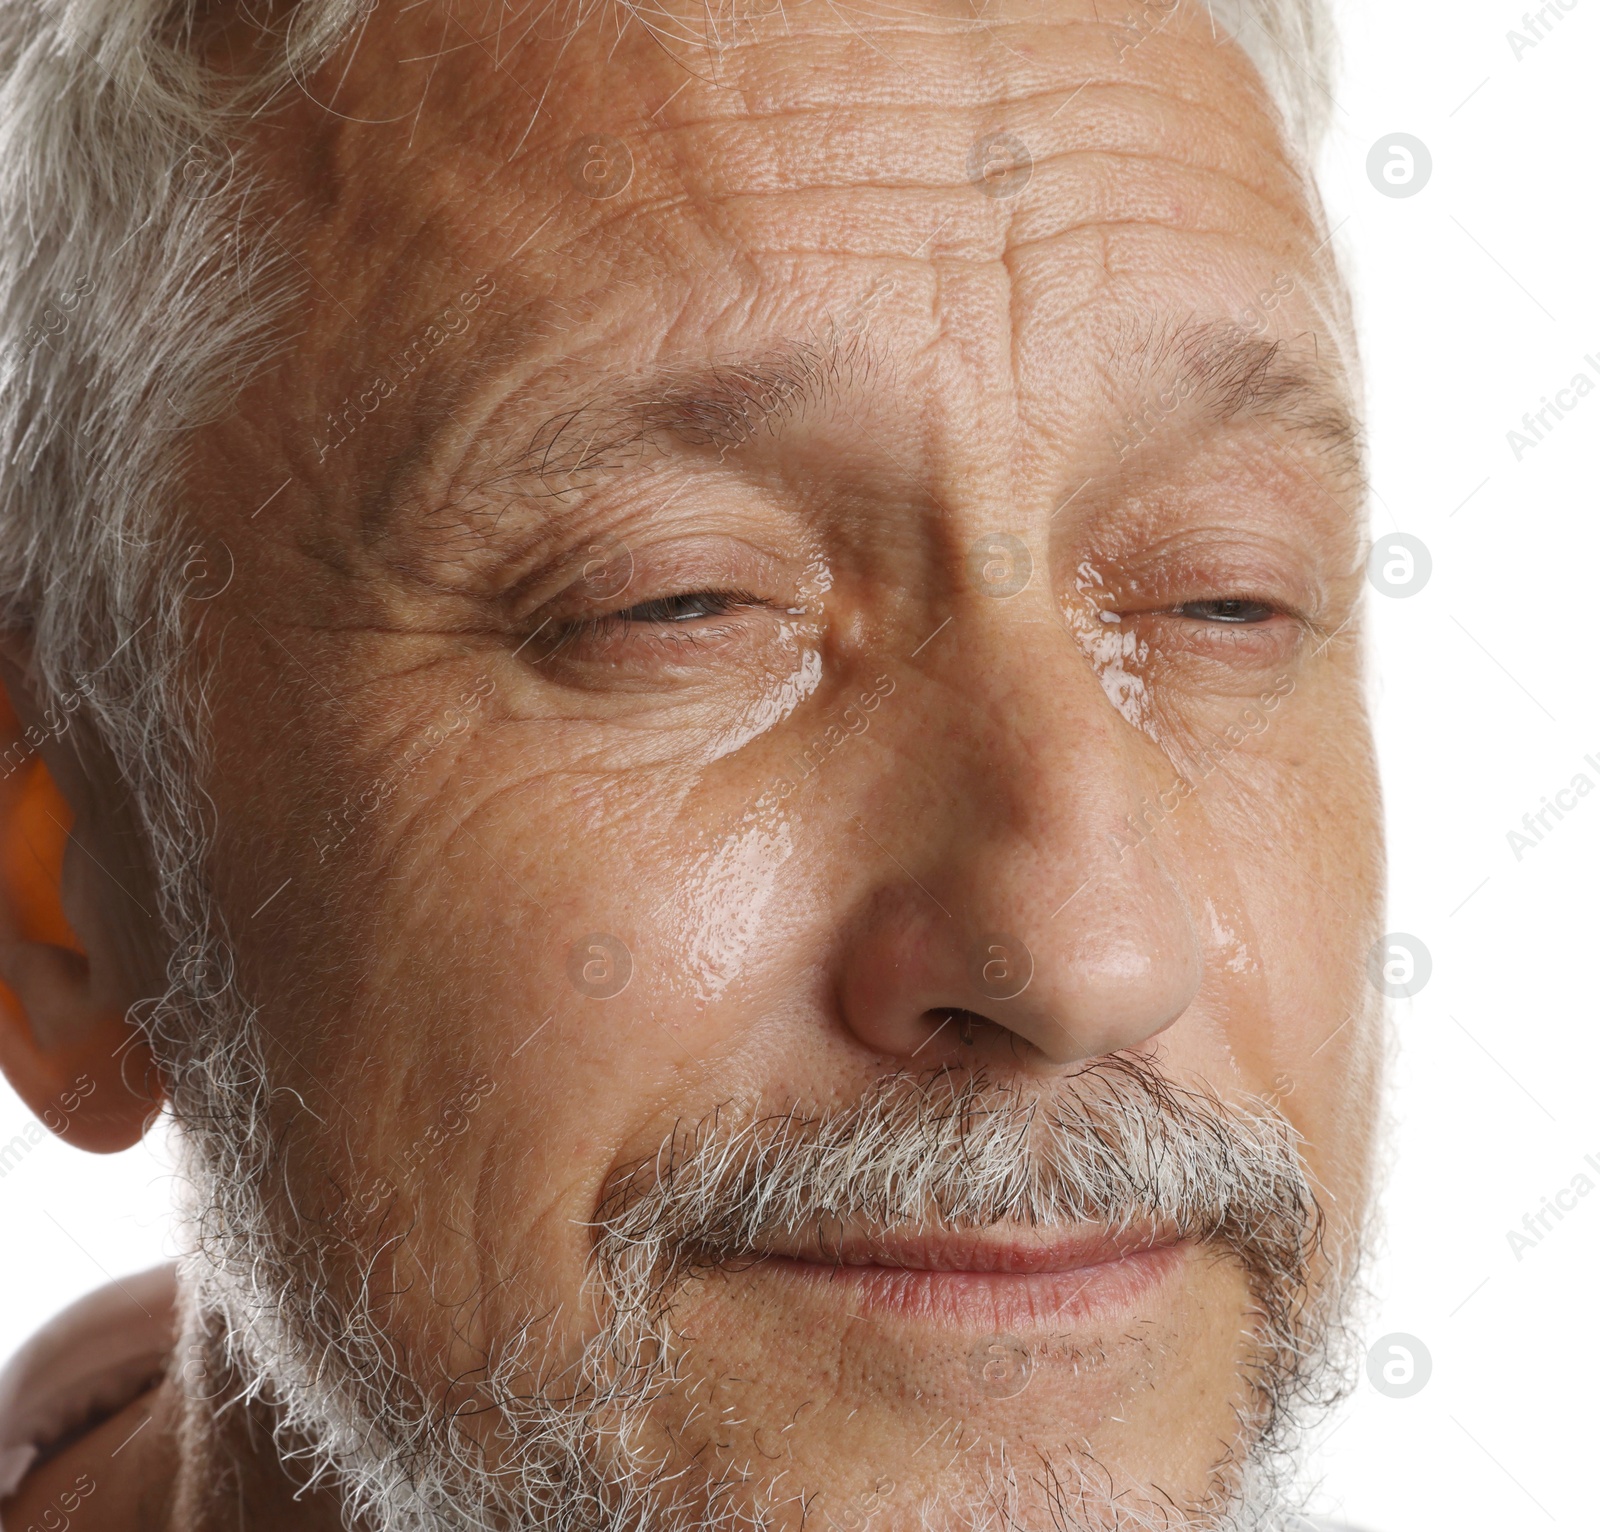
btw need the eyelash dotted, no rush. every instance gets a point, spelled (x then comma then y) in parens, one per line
(652, 621)
(651, 617)
(1238, 613)
(1229, 630)
(1259, 611)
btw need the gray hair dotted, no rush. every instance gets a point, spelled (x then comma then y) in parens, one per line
(138, 295)
(134, 302)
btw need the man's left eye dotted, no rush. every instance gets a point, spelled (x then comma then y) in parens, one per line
(1230, 610)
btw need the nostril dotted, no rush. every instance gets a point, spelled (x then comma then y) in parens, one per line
(963, 1023)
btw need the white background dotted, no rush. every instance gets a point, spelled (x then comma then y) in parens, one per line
(1476, 297)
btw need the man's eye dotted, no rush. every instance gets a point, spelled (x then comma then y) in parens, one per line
(661, 620)
(685, 608)
(1231, 610)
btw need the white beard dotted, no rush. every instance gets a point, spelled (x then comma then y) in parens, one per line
(1118, 1144)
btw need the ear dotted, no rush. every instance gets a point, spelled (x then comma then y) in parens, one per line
(71, 928)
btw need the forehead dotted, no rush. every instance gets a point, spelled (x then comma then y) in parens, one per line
(1010, 201)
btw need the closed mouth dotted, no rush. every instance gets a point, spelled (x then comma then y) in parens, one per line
(991, 1281)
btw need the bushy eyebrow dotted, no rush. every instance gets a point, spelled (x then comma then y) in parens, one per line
(718, 407)
(1230, 375)
(1233, 374)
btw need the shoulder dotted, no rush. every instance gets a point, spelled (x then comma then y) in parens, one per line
(85, 1366)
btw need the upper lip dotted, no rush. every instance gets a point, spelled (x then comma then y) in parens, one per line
(1015, 1252)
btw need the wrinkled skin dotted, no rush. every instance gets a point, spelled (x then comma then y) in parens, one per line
(804, 184)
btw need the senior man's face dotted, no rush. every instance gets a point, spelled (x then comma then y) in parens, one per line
(790, 763)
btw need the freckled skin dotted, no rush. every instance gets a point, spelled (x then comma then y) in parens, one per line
(809, 179)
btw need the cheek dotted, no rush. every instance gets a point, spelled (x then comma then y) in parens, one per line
(721, 911)
(1275, 845)
(561, 933)
(1304, 831)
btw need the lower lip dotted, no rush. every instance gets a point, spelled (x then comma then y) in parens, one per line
(994, 1302)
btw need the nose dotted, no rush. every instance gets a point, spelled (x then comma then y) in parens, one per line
(1010, 902)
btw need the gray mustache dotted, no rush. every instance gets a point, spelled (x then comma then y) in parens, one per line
(1117, 1144)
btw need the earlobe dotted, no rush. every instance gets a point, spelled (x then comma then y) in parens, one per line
(65, 1043)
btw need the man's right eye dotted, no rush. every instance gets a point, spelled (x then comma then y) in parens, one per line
(684, 608)
(670, 627)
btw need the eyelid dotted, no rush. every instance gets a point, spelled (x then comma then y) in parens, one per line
(725, 601)
(1271, 609)
(1126, 609)
(616, 619)
(564, 633)
(1205, 564)
(613, 571)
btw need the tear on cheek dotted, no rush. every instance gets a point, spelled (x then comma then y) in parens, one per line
(1127, 693)
(1112, 651)
(778, 698)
